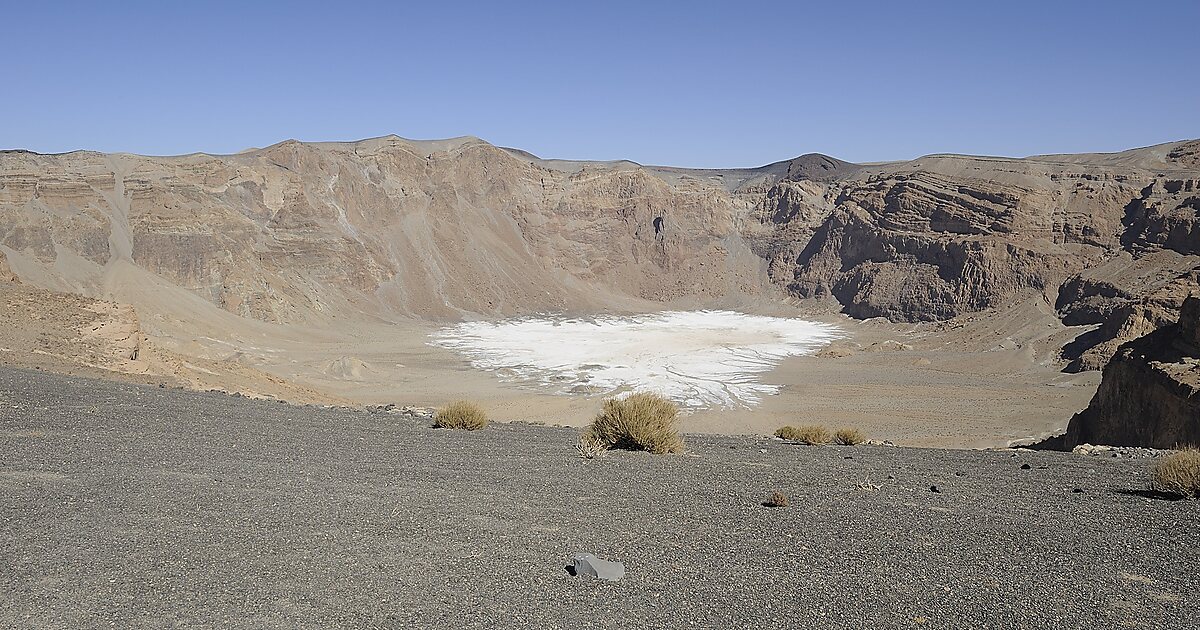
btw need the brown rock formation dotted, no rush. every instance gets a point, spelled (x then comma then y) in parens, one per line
(6, 273)
(1150, 394)
(1165, 214)
(945, 235)
(70, 333)
(1126, 308)
(384, 227)
(391, 227)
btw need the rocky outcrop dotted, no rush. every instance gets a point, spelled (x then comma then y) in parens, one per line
(1150, 393)
(1083, 300)
(879, 272)
(116, 332)
(1129, 319)
(1185, 153)
(1165, 214)
(1124, 298)
(68, 328)
(6, 273)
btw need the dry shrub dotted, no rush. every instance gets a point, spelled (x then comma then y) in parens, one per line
(849, 437)
(867, 486)
(461, 414)
(641, 422)
(777, 499)
(1179, 473)
(805, 435)
(788, 432)
(589, 447)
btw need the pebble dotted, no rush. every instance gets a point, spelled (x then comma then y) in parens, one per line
(1120, 452)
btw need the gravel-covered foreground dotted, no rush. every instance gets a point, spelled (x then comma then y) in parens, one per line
(132, 506)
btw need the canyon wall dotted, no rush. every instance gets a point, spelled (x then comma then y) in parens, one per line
(945, 235)
(460, 228)
(386, 227)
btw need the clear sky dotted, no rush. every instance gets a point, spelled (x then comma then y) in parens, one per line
(683, 83)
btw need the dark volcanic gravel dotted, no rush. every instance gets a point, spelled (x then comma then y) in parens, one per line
(133, 506)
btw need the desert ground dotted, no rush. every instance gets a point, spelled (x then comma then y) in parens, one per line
(989, 381)
(130, 505)
(908, 386)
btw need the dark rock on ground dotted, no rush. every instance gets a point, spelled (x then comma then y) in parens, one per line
(591, 566)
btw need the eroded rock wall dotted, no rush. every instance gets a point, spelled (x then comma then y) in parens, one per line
(1150, 393)
(448, 229)
(382, 227)
(942, 236)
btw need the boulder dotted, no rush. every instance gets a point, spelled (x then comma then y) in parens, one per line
(590, 565)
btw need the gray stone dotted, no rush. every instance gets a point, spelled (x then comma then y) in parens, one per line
(587, 564)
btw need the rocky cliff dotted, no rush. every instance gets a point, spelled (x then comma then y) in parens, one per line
(1150, 394)
(386, 227)
(944, 235)
(448, 229)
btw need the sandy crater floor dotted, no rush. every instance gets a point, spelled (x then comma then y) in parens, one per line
(906, 384)
(983, 381)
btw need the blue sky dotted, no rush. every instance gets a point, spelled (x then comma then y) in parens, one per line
(691, 84)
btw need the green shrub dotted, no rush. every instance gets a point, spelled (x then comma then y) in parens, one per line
(1179, 473)
(849, 437)
(641, 422)
(461, 414)
(805, 435)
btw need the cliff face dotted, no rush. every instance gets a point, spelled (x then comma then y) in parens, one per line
(1166, 214)
(1148, 296)
(1150, 394)
(392, 227)
(945, 235)
(381, 227)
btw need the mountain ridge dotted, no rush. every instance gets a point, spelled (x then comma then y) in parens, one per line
(468, 138)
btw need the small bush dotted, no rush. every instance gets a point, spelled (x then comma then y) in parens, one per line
(460, 415)
(641, 422)
(1179, 473)
(805, 435)
(777, 499)
(589, 447)
(849, 437)
(788, 432)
